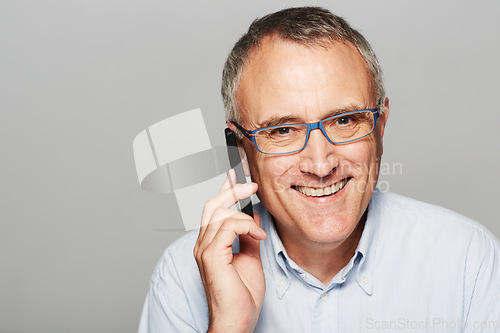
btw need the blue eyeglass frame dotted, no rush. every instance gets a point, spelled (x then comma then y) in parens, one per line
(250, 135)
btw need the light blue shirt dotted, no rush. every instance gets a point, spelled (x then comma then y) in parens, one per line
(417, 268)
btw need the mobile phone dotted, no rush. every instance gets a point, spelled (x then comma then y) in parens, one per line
(236, 164)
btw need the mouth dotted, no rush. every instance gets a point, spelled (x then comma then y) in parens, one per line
(322, 191)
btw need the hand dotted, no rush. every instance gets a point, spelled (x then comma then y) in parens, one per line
(234, 283)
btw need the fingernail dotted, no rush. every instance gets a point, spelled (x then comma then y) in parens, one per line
(249, 185)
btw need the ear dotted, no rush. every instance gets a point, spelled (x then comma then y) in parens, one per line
(382, 119)
(231, 126)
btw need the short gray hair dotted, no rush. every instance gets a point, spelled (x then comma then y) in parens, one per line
(309, 26)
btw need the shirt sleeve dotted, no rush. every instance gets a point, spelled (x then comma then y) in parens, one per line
(166, 308)
(482, 284)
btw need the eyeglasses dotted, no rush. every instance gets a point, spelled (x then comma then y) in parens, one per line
(291, 138)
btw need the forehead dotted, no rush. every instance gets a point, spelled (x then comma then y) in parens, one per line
(284, 78)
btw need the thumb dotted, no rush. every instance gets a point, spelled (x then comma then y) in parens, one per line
(248, 244)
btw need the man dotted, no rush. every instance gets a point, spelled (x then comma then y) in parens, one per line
(325, 251)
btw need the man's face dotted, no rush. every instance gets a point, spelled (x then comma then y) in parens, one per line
(285, 80)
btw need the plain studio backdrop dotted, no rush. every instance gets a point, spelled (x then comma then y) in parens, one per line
(80, 79)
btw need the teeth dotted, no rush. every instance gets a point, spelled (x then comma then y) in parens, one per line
(319, 192)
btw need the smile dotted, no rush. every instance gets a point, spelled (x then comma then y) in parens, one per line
(324, 191)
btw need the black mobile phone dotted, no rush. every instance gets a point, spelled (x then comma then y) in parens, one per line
(236, 164)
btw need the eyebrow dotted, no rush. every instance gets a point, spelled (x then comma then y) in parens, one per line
(337, 112)
(279, 120)
(289, 119)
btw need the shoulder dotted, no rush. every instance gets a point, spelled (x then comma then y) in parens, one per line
(445, 253)
(176, 300)
(405, 214)
(432, 234)
(176, 290)
(177, 261)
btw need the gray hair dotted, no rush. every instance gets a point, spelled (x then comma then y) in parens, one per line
(309, 26)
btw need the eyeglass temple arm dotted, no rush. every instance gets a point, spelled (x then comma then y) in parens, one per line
(242, 130)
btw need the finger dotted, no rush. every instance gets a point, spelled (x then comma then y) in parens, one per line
(250, 245)
(204, 240)
(218, 218)
(226, 199)
(256, 218)
(206, 215)
(231, 228)
(230, 180)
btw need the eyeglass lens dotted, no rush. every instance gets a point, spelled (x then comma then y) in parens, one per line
(289, 138)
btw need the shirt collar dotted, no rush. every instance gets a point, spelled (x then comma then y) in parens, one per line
(367, 245)
(277, 255)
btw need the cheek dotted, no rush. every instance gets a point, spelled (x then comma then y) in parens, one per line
(261, 167)
(284, 166)
(253, 158)
(358, 153)
(273, 173)
(361, 156)
(277, 169)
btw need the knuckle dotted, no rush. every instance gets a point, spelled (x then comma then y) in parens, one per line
(205, 256)
(234, 225)
(228, 224)
(219, 212)
(210, 204)
(199, 263)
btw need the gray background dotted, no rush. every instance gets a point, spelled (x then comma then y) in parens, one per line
(79, 79)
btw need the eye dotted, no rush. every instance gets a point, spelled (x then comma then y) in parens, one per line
(287, 132)
(343, 120)
(283, 130)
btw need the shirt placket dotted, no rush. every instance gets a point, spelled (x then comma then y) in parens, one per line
(325, 318)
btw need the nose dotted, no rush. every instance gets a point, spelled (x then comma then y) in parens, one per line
(318, 157)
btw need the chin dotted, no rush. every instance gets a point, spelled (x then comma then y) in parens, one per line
(314, 226)
(328, 229)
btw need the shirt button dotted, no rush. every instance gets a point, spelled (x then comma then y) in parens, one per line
(364, 280)
(281, 283)
(324, 298)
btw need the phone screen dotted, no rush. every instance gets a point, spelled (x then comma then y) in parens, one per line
(236, 164)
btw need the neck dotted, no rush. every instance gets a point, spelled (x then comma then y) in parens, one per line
(321, 260)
